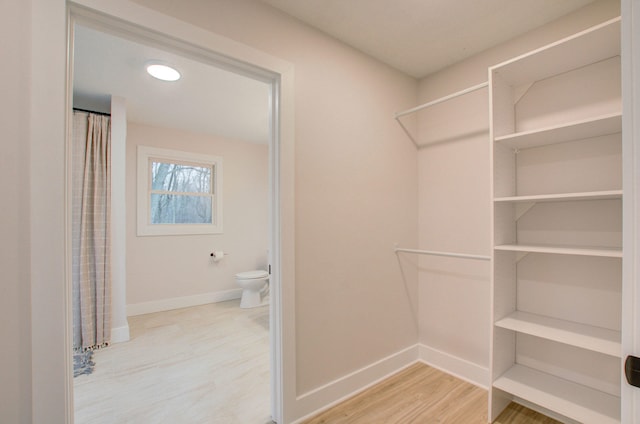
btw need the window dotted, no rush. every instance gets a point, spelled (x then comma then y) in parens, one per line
(178, 192)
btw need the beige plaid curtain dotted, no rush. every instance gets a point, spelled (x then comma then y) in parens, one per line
(91, 205)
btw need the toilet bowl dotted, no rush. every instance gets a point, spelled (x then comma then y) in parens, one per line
(254, 287)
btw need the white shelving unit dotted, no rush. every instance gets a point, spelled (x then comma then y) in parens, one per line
(574, 401)
(584, 336)
(563, 197)
(563, 250)
(556, 153)
(586, 128)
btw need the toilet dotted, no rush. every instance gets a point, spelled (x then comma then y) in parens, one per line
(254, 286)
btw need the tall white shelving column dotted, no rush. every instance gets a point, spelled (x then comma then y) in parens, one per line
(556, 276)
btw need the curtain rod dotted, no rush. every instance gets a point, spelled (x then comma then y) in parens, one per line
(91, 111)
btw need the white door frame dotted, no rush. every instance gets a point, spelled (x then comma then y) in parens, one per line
(630, 10)
(217, 51)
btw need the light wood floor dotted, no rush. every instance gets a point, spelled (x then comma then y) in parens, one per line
(421, 394)
(206, 364)
(210, 364)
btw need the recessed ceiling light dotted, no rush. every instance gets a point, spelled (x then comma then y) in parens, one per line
(163, 72)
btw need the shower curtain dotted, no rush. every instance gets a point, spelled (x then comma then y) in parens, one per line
(91, 206)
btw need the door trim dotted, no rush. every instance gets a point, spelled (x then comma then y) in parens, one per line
(631, 193)
(123, 18)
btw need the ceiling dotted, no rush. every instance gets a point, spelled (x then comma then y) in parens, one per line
(418, 37)
(206, 99)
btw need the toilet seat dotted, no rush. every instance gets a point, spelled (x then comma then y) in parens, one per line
(252, 275)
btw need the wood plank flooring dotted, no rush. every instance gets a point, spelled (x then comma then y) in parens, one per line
(206, 364)
(210, 364)
(422, 394)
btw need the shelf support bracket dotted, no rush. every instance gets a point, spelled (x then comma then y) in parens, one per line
(523, 208)
(520, 91)
(407, 132)
(520, 256)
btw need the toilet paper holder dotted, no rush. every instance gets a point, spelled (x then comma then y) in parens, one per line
(218, 254)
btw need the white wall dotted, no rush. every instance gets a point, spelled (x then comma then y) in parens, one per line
(356, 182)
(15, 320)
(50, 355)
(119, 324)
(454, 199)
(454, 217)
(160, 268)
(339, 92)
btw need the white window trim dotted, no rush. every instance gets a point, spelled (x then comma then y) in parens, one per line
(144, 227)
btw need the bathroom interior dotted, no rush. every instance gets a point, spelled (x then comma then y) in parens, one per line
(184, 294)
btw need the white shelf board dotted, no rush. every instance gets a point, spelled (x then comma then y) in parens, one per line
(576, 130)
(609, 252)
(580, 403)
(562, 197)
(590, 46)
(583, 336)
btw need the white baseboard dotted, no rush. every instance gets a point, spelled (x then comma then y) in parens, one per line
(120, 334)
(182, 302)
(315, 401)
(458, 367)
(324, 397)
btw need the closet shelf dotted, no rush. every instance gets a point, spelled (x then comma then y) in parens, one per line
(572, 400)
(566, 368)
(609, 252)
(562, 197)
(576, 130)
(584, 48)
(597, 339)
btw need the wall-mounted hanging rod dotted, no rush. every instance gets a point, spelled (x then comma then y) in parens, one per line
(432, 103)
(442, 99)
(449, 254)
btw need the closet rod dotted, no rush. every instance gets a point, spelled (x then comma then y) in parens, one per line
(449, 254)
(442, 99)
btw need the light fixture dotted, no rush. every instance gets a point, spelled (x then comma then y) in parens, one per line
(163, 72)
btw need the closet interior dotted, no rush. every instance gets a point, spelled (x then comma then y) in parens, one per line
(555, 135)
(555, 132)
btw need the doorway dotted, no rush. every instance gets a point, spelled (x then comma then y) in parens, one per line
(220, 64)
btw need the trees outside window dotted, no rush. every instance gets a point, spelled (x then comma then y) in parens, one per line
(181, 190)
